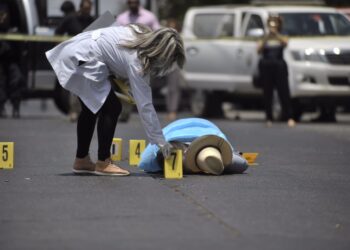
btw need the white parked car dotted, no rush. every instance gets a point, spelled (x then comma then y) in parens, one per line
(222, 57)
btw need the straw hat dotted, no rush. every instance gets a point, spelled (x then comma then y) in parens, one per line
(209, 154)
(209, 160)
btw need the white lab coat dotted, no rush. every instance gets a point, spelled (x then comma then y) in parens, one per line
(83, 64)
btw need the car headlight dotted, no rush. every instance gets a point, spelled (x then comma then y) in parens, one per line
(310, 55)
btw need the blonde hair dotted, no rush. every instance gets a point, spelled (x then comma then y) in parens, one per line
(157, 50)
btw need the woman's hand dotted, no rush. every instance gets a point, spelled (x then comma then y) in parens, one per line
(261, 43)
(282, 39)
(166, 149)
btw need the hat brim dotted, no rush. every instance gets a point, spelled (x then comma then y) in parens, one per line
(190, 162)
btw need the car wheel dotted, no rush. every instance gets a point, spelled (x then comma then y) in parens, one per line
(198, 103)
(206, 104)
(61, 98)
(298, 110)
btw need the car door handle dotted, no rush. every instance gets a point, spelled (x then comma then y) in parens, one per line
(192, 51)
(239, 52)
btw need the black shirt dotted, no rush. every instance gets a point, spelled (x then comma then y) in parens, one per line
(73, 23)
(273, 50)
(70, 25)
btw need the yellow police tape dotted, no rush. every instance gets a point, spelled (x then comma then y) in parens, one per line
(32, 38)
(37, 38)
(58, 39)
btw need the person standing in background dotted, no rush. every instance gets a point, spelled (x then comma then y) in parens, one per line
(273, 70)
(72, 24)
(84, 13)
(135, 14)
(12, 83)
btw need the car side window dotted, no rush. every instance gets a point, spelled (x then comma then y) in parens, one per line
(213, 25)
(255, 23)
(340, 24)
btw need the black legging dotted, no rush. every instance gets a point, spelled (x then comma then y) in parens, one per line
(274, 75)
(107, 122)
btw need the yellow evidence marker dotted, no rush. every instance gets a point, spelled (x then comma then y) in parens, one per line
(6, 155)
(116, 149)
(173, 166)
(136, 147)
(250, 157)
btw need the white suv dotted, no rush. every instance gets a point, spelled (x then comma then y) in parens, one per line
(222, 58)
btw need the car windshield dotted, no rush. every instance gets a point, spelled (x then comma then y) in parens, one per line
(315, 24)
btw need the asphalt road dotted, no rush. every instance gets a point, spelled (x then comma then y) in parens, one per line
(298, 197)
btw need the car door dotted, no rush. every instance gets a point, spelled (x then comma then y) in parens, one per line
(252, 30)
(213, 56)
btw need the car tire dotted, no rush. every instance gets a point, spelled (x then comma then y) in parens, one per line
(61, 98)
(206, 104)
(298, 110)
